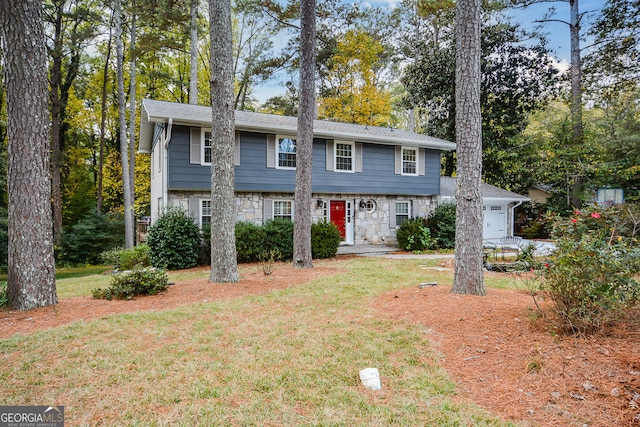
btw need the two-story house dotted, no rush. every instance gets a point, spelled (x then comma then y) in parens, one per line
(366, 180)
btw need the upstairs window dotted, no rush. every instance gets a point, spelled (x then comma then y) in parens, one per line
(206, 147)
(409, 161)
(286, 153)
(344, 155)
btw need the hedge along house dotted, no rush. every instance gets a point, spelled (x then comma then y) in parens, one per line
(366, 180)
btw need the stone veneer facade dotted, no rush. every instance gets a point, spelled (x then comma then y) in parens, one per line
(370, 226)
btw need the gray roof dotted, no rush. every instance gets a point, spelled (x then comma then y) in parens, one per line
(159, 112)
(489, 192)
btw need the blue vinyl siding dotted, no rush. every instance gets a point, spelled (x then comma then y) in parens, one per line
(377, 176)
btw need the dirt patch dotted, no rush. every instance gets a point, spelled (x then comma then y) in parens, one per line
(512, 365)
(501, 358)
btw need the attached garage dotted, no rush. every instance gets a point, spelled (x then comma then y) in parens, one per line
(498, 206)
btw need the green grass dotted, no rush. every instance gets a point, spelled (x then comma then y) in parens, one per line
(287, 358)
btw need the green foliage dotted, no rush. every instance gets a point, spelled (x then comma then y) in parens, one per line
(174, 240)
(95, 233)
(442, 224)
(127, 259)
(508, 66)
(279, 235)
(4, 297)
(325, 239)
(250, 240)
(414, 235)
(4, 237)
(592, 277)
(130, 284)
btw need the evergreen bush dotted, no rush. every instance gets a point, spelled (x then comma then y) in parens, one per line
(130, 284)
(325, 239)
(95, 233)
(127, 259)
(279, 235)
(174, 240)
(414, 235)
(442, 225)
(250, 241)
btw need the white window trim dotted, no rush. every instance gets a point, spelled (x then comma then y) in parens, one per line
(417, 161)
(201, 209)
(273, 208)
(202, 147)
(395, 213)
(277, 150)
(353, 156)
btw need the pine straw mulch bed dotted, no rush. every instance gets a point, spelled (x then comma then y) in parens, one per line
(502, 359)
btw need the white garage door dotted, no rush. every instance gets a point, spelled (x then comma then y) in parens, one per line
(495, 221)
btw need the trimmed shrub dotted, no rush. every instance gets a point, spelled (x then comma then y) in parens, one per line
(279, 235)
(442, 225)
(325, 239)
(250, 242)
(204, 248)
(91, 236)
(414, 235)
(130, 284)
(127, 259)
(174, 240)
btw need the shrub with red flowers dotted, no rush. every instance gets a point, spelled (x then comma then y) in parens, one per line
(592, 278)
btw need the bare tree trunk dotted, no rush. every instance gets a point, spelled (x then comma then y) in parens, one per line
(576, 95)
(193, 79)
(103, 120)
(224, 263)
(302, 256)
(31, 268)
(124, 146)
(132, 124)
(56, 117)
(469, 275)
(576, 73)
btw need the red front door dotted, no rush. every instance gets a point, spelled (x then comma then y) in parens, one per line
(338, 215)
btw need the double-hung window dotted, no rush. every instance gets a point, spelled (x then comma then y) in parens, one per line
(205, 212)
(344, 156)
(286, 148)
(205, 147)
(402, 213)
(409, 161)
(283, 209)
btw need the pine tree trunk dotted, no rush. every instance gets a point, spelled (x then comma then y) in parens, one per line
(132, 125)
(306, 114)
(576, 97)
(103, 121)
(56, 117)
(468, 275)
(122, 120)
(193, 79)
(31, 268)
(224, 264)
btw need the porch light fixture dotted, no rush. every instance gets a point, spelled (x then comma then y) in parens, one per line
(320, 203)
(362, 204)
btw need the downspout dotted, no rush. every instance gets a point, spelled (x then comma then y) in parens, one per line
(513, 215)
(165, 175)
